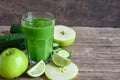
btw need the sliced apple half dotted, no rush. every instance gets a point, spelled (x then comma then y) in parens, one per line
(64, 35)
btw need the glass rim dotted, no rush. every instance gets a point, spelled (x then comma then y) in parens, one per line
(39, 12)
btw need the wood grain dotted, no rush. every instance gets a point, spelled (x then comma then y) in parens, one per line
(96, 51)
(99, 13)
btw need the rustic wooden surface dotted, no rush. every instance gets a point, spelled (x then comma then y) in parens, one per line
(68, 12)
(96, 51)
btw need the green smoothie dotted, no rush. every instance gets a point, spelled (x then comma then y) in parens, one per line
(38, 34)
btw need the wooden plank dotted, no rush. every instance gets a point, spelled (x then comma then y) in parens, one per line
(99, 52)
(96, 51)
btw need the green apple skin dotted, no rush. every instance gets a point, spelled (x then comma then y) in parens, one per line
(13, 63)
(64, 35)
(65, 42)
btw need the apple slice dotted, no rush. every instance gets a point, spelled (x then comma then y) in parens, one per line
(54, 72)
(64, 35)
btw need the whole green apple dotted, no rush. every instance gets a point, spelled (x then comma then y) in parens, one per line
(64, 35)
(13, 63)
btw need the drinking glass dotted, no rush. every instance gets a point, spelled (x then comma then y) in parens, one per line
(38, 30)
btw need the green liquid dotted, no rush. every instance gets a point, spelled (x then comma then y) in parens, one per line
(38, 33)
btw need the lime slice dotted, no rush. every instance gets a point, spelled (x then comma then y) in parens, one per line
(54, 72)
(37, 70)
(59, 60)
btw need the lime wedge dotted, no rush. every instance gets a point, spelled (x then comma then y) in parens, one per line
(37, 70)
(59, 60)
(54, 72)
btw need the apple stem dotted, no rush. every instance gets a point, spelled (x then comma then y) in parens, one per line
(8, 53)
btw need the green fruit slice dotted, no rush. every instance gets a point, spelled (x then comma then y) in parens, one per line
(56, 50)
(54, 72)
(60, 61)
(64, 53)
(37, 70)
(56, 46)
(64, 35)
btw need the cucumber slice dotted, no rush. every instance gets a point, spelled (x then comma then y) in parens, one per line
(56, 50)
(64, 53)
(55, 46)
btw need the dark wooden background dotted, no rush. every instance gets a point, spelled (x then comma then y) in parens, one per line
(99, 13)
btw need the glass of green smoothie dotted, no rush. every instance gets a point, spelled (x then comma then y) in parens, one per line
(38, 30)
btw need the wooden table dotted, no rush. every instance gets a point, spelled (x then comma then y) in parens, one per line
(96, 51)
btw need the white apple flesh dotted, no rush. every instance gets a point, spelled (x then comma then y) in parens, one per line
(54, 72)
(64, 35)
(13, 63)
